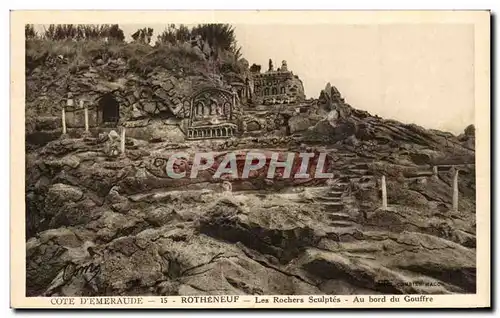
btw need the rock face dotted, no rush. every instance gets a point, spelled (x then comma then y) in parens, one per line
(112, 78)
(100, 225)
(339, 122)
(160, 94)
(100, 222)
(468, 138)
(234, 245)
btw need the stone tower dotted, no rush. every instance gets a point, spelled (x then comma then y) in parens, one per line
(284, 67)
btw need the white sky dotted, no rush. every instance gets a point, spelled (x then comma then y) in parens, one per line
(422, 74)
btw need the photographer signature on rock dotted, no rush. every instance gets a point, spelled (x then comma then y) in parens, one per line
(73, 270)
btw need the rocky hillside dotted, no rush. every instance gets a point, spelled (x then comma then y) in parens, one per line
(100, 223)
(147, 82)
(145, 234)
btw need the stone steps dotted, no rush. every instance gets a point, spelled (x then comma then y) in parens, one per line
(355, 166)
(342, 224)
(415, 178)
(346, 154)
(322, 189)
(328, 199)
(349, 176)
(339, 216)
(333, 206)
(342, 179)
(339, 220)
(353, 178)
(339, 186)
(335, 194)
(366, 179)
(361, 172)
(417, 174)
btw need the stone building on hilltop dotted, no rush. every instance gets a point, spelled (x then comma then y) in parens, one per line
(279, 86)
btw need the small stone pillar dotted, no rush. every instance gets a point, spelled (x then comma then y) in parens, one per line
(122, 141)
(384, 194)
(435, 172)
(455, 189)
(69, 101)
(232, 106)
(63, 118)
(86, 112)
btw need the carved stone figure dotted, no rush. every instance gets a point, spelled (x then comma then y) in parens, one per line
(227, 187)
(112, 148)
(284, 67)
(112, 144)
(219, 110)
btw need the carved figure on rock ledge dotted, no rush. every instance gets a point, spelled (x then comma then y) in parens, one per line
(113, 135)
(112, 145)
(284, 67)
(112, 149)
(227, 187)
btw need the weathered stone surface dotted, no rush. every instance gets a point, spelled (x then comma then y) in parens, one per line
(149, 107)
(152, 235)
(238, 244)
(420, 158)
(48, 123)
(136, 112)
(60, 194)
(298, 123)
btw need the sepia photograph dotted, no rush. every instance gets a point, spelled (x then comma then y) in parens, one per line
(309, 162)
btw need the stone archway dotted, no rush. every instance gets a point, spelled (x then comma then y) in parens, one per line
(109, 108)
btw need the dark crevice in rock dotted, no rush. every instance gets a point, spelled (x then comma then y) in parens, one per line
(283, 244)
(266, 264)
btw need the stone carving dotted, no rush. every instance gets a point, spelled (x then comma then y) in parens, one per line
(255, 68)
(113, 135)
(277, 87)
(331, 99)
(212, 114)
(274, 122)
(112, 145)
(284, 67)
(227, 187)
(158, 166)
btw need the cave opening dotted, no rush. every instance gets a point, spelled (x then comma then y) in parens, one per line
(110, 109)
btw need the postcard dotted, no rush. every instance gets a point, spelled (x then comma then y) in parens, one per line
(250, 159)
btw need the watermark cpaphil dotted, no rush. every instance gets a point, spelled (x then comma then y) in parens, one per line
(249, 164)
